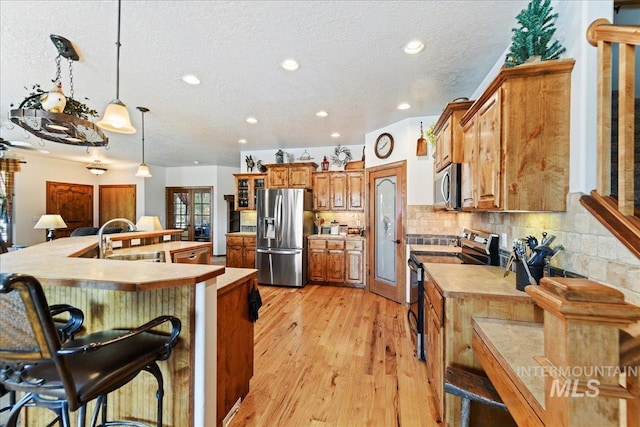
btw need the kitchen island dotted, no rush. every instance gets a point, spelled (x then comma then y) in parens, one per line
(125, 294)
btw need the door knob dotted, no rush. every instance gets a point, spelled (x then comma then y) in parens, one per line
(397, 242)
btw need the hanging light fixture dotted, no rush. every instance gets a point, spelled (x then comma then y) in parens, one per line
(116, 117)
(143, 169)
(43, 113)
(97, 167)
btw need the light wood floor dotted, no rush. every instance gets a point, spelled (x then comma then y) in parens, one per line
(334, 356)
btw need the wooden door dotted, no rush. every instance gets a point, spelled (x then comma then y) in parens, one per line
(355, 191)
(321, 192)
(447, 145)
(335, 266)
(74, 202)
(116, 201)
(190, 209)
(338, 192)
(317, 263)
(386, 254)
(487, 171)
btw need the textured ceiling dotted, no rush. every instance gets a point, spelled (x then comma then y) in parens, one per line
(350, 54)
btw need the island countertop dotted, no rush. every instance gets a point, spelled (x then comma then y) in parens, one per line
(60, 263)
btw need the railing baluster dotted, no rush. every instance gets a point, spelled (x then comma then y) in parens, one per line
(626, 114)
(604, 119)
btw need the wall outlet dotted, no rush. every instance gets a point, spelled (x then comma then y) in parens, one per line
(503, 240)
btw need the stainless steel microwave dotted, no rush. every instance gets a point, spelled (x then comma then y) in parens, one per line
(447, 187)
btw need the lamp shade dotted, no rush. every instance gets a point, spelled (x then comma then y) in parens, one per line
(116, 118)
(149, 223)
(143, 171)
(50, 222)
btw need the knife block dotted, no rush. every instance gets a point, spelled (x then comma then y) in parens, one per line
(522, 279)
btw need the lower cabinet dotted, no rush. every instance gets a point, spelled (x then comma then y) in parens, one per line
(336, 261)
(241, 250)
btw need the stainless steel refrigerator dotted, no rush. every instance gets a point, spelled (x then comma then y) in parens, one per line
(285, 219)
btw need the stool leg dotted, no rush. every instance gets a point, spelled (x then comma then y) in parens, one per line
(154, 370)
(465, 412)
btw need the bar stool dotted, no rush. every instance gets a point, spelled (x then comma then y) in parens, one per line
(469, 386)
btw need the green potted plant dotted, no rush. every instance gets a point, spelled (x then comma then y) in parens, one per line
(532, 41)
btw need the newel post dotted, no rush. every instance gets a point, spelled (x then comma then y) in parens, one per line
(582, 320)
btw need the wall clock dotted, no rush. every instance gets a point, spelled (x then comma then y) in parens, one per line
(384, 145)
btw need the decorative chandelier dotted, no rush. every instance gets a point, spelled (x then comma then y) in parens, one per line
(116, 117)
(97, 167)
(42, 113)
(143, 169)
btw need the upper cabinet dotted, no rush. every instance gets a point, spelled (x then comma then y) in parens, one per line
(516, 140)
(338, 191)
(291, 175)
(246, 186)
(449, 145)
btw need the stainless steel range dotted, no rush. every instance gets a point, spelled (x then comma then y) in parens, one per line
(473, 247)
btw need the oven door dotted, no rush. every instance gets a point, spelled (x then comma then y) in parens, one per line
(416, 312)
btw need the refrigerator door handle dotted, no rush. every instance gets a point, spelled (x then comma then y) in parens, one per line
(279, 251)
(278, 216)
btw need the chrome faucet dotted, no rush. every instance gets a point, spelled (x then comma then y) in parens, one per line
(102, 240)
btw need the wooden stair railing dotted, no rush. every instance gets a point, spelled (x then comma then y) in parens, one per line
(617, 214)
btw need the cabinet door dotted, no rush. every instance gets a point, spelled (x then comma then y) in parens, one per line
(317, 262)
(278, 177)
(353, 267)
(192, 256)
(355, 188)
(435, 361)
(487, 172)
(321, 191)
(335, 266)
(445, 145)
(256, 183)
(338, 192)
(234, 256)
(469, 166)
(249, 257)
(300, 177)
(242, 193)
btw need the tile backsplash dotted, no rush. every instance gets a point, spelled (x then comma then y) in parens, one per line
(590, 249)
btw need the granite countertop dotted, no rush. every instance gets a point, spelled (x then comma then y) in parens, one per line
(335, 237)
(59, 263)
(431, 249)
(474, 281)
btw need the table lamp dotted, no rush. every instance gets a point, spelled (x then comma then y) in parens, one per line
(149, 223)
(50, 222)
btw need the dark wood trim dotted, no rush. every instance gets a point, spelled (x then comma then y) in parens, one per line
(625, 228)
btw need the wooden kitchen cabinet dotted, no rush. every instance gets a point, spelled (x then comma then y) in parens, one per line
(336, 260)
(338, 191)
(518, 130)
(454, 293)
(291, 175)
(246, 185)
(469, 132)
(241, 250)
(449, 144)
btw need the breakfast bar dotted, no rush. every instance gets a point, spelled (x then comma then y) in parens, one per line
(117, 293)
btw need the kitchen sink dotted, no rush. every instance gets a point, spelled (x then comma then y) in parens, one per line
(158, 256)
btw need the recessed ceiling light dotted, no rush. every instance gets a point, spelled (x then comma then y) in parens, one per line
(242, 141)
(335, 135)
(322, 113)
(191, 79)
(44, 151)
(413, 47)
(252, 120)
(404, 106)
(196, 162)
(289, 64)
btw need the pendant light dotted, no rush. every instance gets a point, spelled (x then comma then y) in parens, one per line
(116, 117)
(143, 169)
(97, 167)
